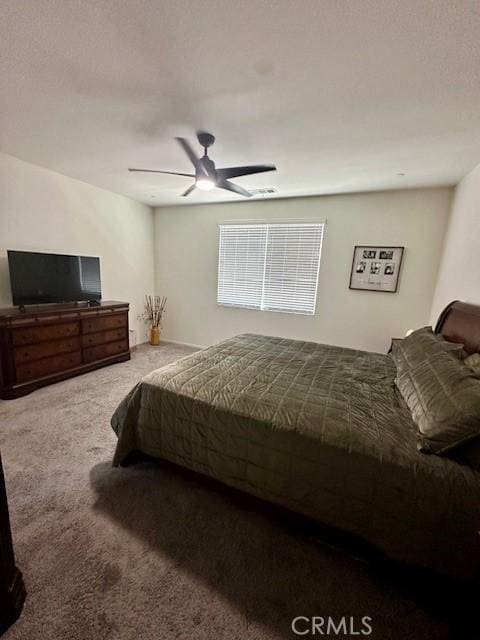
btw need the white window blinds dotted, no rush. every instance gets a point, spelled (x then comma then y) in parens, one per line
(272, 267)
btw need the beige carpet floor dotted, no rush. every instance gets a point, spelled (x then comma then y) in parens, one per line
(149, 552)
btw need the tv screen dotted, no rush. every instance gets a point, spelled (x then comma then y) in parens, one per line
(39, 278)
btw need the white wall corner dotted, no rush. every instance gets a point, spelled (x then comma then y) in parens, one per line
(459, 271)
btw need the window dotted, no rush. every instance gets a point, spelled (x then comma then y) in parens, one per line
(273, 267)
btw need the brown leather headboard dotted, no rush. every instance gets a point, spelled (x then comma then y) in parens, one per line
(460, 322)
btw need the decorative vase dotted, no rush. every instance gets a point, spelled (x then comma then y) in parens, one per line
(155, 336)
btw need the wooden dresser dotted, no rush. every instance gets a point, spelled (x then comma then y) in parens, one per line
(12, 589)
(49, 343)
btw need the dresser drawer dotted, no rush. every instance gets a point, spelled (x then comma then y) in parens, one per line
(93, 325)
(47, 366)
(105, 350)
(46, 349)
(92, 339)
(30, 335)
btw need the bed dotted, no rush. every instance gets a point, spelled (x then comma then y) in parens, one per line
(320, 430)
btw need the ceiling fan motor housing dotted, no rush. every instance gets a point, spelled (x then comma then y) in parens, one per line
(209, 166)
(205, 139)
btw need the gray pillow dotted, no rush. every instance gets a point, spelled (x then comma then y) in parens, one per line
(473, 362)
(443, 395)
(421, 345)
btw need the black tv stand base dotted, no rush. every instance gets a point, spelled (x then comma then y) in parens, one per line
(49, 305)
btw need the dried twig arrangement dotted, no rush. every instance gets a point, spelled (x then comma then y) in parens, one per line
(154, 310)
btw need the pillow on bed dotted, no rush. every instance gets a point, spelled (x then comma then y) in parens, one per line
(473, 362)
(421, 345)
(443, 395)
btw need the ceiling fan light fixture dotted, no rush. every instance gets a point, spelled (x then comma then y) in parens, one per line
(205, 184)
(207, 176)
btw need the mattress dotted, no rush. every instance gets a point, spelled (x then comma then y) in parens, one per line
(321, 430)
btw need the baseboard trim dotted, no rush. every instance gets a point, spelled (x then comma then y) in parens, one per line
(183, 344)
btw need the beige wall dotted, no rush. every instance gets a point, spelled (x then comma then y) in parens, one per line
(186, 246)
(459, 273)
(44, 211)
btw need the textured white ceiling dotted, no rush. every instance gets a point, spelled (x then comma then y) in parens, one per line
(342, 95)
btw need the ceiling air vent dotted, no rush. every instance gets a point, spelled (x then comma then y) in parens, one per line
(263, 192)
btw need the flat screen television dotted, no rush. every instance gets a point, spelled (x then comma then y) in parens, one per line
(40, 278)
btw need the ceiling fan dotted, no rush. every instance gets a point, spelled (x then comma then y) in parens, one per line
(206, 175)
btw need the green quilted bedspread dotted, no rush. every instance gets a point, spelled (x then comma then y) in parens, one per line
(319, 429)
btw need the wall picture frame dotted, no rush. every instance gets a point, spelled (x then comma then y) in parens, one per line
(376, 268)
